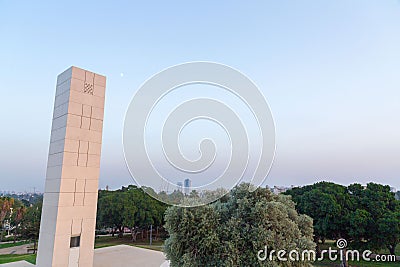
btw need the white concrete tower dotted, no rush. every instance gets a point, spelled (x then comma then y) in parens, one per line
(68, 221)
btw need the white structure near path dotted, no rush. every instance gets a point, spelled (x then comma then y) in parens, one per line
(68, 221)
(67, 229)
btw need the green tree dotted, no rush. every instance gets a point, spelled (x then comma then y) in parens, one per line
(389, 231)
(6, 204)
(17, 217)
(30, 223)
(328, 204)
(129, 207)
(231, 231)
(380, 225)
(116, 211)
(8, 208)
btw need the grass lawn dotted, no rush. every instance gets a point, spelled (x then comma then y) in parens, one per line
(386, 251)
(18, 243)
(108, 241)
(13, 257)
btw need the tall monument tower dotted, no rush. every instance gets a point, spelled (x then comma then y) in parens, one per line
(68, 221)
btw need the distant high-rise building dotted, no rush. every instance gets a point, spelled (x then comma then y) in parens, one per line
(180, 186)
(187, 186)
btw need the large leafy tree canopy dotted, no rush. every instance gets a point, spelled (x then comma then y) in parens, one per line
(327, 204)
(232, 230)
(368, 217)
(128, 207)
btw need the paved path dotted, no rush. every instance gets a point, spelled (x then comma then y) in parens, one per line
(22, 249)
(117, 256)
(127, 256)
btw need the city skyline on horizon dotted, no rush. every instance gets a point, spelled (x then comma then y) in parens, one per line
(106, 187)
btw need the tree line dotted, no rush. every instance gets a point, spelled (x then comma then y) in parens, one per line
(230, 230)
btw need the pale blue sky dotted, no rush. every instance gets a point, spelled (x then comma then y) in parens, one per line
(329, 70)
